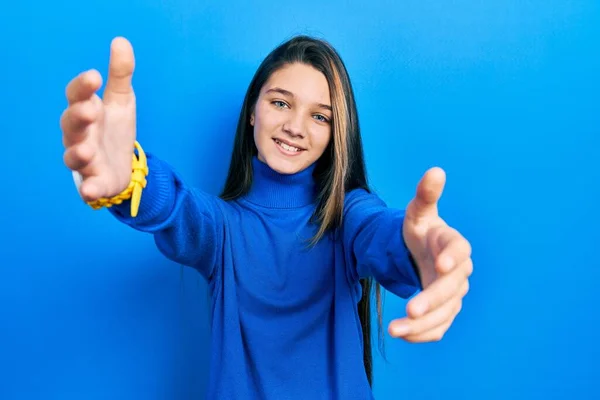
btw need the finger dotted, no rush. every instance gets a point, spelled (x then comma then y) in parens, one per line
(431, 330)
(440, 291)
(464, 289)
(75, 120)
(120, 72)
(92, 188)
(83, 86)
(429, 191)
(79, 156)
(449, 248)
(436, 237)
(432, 335)
(440, 316)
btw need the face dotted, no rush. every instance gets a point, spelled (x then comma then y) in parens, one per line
(292, 118)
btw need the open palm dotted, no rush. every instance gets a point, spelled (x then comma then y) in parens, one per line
(99, 133)
(443, 258)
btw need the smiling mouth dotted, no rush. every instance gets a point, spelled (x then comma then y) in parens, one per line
(287, 147)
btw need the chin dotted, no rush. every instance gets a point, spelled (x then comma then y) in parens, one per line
(285, 166)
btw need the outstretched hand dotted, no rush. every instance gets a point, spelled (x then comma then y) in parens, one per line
(443, 258)
(99, 134)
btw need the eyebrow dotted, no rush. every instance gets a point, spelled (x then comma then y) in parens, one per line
(290, 94)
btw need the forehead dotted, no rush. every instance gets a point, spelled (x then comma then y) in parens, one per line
(305, 82)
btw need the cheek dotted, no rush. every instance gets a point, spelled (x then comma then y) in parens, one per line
(265, 122)
(258, 127)
(321, 139)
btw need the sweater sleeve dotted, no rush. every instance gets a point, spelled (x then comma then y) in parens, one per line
(187, 224)
(373, 243)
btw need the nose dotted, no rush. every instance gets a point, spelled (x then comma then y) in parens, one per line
(294, 125)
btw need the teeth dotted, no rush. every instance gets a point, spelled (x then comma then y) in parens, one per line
(286, 147)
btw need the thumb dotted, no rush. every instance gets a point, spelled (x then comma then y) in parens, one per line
(429, 191)
(120, 72)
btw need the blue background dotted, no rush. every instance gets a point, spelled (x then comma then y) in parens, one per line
(502, 94)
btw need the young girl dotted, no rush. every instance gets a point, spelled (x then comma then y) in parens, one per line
(291, 247)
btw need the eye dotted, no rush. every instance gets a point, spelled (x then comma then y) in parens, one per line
(279, 104)
(322, 118)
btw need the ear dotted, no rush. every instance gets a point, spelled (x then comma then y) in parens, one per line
(252, 119)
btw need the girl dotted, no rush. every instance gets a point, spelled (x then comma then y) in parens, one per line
(292, 246)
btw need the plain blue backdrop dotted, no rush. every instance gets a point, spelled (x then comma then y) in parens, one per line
(501, 94)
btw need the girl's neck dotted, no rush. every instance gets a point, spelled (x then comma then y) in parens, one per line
(275, 190)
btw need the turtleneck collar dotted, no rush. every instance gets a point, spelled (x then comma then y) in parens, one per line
(275, 190)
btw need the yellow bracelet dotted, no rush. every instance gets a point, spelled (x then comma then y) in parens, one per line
(133, 191)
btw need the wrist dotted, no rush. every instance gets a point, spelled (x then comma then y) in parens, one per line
(133, 192)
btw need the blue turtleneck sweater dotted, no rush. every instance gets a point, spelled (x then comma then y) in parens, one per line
(284, 320)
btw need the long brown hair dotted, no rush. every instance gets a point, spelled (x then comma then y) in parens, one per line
(341, 168)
